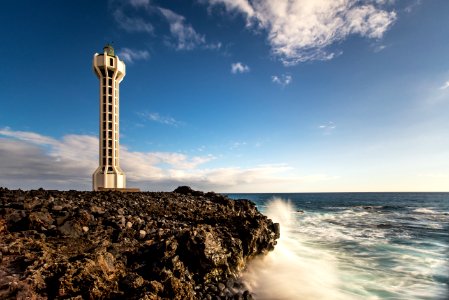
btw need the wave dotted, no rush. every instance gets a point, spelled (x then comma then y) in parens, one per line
(294, 270)
(378, 250)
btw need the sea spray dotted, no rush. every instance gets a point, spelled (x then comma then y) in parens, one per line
(372, 245)
(294, 270)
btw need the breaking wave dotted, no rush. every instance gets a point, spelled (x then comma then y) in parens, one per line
(294, 270)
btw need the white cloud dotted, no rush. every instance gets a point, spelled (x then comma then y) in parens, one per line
(140, 3)
(303, 30)
(27, 136)
(31, 160)
(328, 127)
(132, 16)
(186, 37)
(412, 6)
(132, 24)
(236, 145)
(379, 48)
(234, 5)
(283, 80)
(445, 85)
(156, 117)
(130, 55)
(213, 46)
(238, 67)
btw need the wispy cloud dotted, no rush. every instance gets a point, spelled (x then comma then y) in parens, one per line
(31, 160)
(412, 6)
(130, 55)
(303, 30)
(238, 67)
(283, 80)
(186, 37)
(327, 127)
(132, 24)
(213, 46)
(27, 136)
(378, 47)
(236, 145)
(134, 16)
(445, 85)
(156, 117)
(140, 3)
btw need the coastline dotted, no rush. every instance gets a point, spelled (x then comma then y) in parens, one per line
(152, 245)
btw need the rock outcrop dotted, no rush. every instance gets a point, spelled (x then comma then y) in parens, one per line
(111, 245)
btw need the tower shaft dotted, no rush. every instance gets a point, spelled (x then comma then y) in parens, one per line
(110, 71)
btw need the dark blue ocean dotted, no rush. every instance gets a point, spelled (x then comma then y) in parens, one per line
(354, 246)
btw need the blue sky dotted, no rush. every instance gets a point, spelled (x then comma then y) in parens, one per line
(230, 95)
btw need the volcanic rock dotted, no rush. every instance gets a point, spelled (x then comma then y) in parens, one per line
(112, 245)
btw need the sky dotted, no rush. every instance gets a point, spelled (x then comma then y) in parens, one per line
(230, 95)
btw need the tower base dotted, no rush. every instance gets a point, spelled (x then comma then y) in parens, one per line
(108, 180)
(123, 190)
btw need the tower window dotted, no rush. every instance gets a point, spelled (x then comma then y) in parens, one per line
(110, 90)
(110, 161)
(111, 61)
(110, 81)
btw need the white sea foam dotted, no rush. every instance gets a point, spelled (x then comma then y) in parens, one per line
(294, 270)
(424, 210)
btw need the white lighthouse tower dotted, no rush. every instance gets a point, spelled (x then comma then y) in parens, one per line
(110, 70)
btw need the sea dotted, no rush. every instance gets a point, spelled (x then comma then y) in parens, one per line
(353, 246)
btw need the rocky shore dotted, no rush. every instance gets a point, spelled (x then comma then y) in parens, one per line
(112, 245)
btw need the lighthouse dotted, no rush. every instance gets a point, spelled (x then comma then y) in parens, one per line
(110, 71)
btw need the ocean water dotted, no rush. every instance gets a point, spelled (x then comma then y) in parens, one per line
(354, 246)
